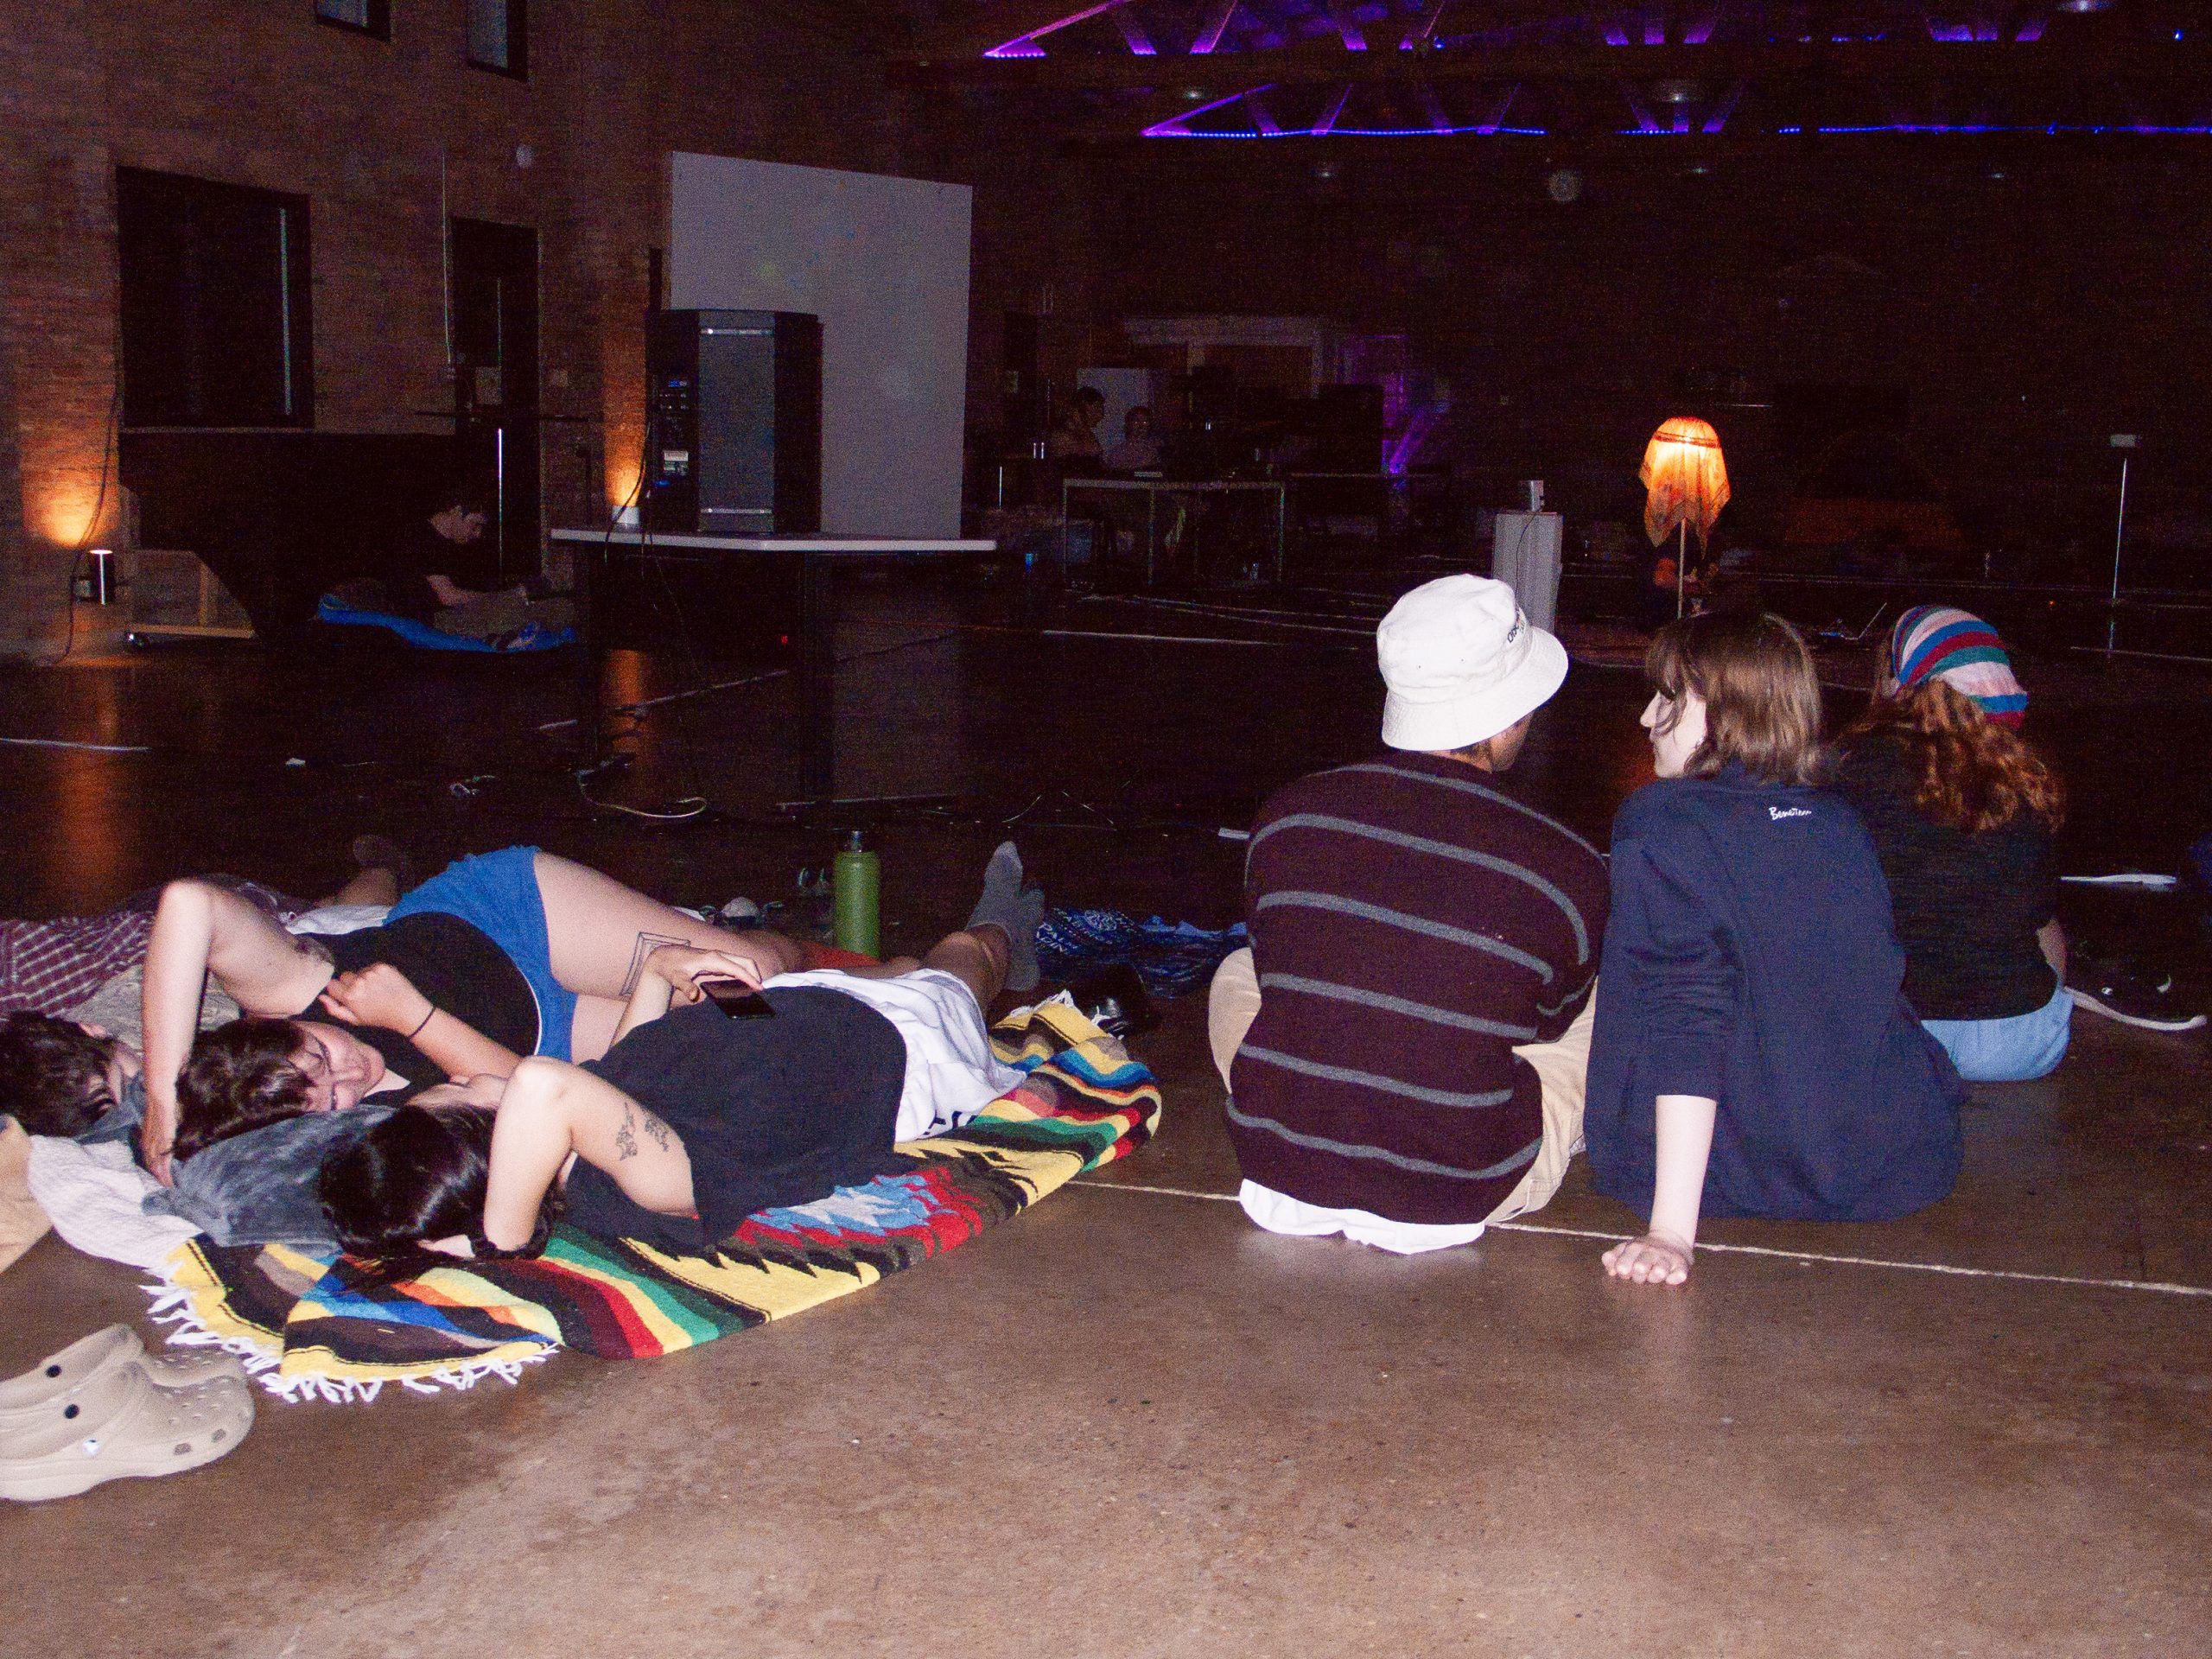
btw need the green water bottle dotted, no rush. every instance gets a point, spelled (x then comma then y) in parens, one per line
(856, 893)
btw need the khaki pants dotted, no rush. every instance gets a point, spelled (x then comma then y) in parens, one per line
(22, 1223)
(1563, 1068)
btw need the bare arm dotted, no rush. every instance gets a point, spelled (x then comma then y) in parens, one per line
(2050, 938)
(553, 1111)
(1662, 1256)
(200, 929)
(672, 974)
(381, 996)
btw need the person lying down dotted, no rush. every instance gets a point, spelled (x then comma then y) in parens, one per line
(696, 1118)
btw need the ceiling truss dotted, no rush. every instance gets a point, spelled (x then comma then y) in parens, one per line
(1640, 69)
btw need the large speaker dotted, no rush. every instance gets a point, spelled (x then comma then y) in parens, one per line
(734, 422)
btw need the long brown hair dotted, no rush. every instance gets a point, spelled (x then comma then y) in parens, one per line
(1975, 773)
(1761, 692)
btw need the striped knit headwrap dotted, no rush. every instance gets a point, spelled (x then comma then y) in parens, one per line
(1940, 642)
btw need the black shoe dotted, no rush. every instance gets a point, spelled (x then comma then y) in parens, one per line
(2119, 993)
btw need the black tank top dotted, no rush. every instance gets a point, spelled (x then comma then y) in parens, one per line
(770, 1112)
(458, 968)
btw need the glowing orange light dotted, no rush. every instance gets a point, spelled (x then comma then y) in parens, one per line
(63, 512)
(1685, 479)
(621, 483)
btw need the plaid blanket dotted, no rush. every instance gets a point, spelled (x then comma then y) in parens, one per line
(328, 1327)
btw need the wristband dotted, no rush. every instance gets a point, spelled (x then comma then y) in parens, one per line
(427, 1018)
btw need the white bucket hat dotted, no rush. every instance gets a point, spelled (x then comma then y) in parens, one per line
(1462, 663)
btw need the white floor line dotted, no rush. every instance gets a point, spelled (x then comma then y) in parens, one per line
(64, 743)
(2151, 1286)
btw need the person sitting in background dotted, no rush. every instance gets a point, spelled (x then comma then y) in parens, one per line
(1405, 1042)
(420, 584)
(1754, 1052)
(1139, 450)
(1963, 813)
(1074, 440)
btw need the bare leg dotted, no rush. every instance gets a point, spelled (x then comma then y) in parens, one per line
(591, 1034)
(601, 931)
(977, 957)
(371, 887)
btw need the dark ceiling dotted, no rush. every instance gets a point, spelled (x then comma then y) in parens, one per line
(1119, 69)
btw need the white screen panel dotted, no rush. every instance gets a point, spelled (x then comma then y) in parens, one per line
(883, 262)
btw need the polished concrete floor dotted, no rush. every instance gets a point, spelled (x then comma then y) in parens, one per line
(1127, 1423)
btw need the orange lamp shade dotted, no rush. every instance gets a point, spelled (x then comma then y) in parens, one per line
(1685, 479)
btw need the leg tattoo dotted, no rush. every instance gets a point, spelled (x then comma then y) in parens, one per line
(646, 944)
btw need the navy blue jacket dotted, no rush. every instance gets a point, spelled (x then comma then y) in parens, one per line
(1750, 958)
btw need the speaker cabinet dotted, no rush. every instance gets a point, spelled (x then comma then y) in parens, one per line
(734, 422)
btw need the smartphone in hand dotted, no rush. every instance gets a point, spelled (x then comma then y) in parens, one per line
(737, 999)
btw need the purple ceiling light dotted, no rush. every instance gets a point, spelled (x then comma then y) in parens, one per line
(1495, 119)
(1209, 37)
(1133, 33)
(1179, 126)
(1024, 46)
(1432, 107)
(1717, 116)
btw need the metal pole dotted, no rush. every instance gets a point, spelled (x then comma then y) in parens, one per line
(1681, 567)
(2119, 536)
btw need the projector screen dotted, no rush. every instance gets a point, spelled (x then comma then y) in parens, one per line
(883, 262)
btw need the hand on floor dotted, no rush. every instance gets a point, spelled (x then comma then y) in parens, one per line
(1654, 1259)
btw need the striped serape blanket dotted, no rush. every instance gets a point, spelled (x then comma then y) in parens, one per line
(319, 1326)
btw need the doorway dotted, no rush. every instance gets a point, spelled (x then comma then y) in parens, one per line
(494, 304)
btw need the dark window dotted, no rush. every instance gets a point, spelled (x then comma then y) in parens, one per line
(498, 36)
(369, 16)
(214, 285)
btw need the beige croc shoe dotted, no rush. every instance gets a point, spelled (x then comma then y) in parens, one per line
(102, 1352)
(118, 1425)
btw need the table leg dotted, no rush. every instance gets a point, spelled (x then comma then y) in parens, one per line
(818, 678)
(591, 653)
(1282, 530)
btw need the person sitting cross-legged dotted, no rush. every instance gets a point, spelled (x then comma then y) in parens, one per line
(1405, 1043)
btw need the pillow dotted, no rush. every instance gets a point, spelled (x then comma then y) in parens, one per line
(259, 1187)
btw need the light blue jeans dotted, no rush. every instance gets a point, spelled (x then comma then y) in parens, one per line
(2008, 1050)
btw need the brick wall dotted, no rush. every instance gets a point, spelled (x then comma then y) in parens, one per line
(256, 92)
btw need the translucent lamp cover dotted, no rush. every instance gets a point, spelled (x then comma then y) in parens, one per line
(1685, 479)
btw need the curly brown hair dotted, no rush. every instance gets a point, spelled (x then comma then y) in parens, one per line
(241, 1076)
(1975, 773)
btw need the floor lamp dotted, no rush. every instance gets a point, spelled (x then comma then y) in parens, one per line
(1685, 479)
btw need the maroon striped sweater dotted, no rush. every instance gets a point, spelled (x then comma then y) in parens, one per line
(1411, 923)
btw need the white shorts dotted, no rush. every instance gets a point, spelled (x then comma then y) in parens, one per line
(952, 1073)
